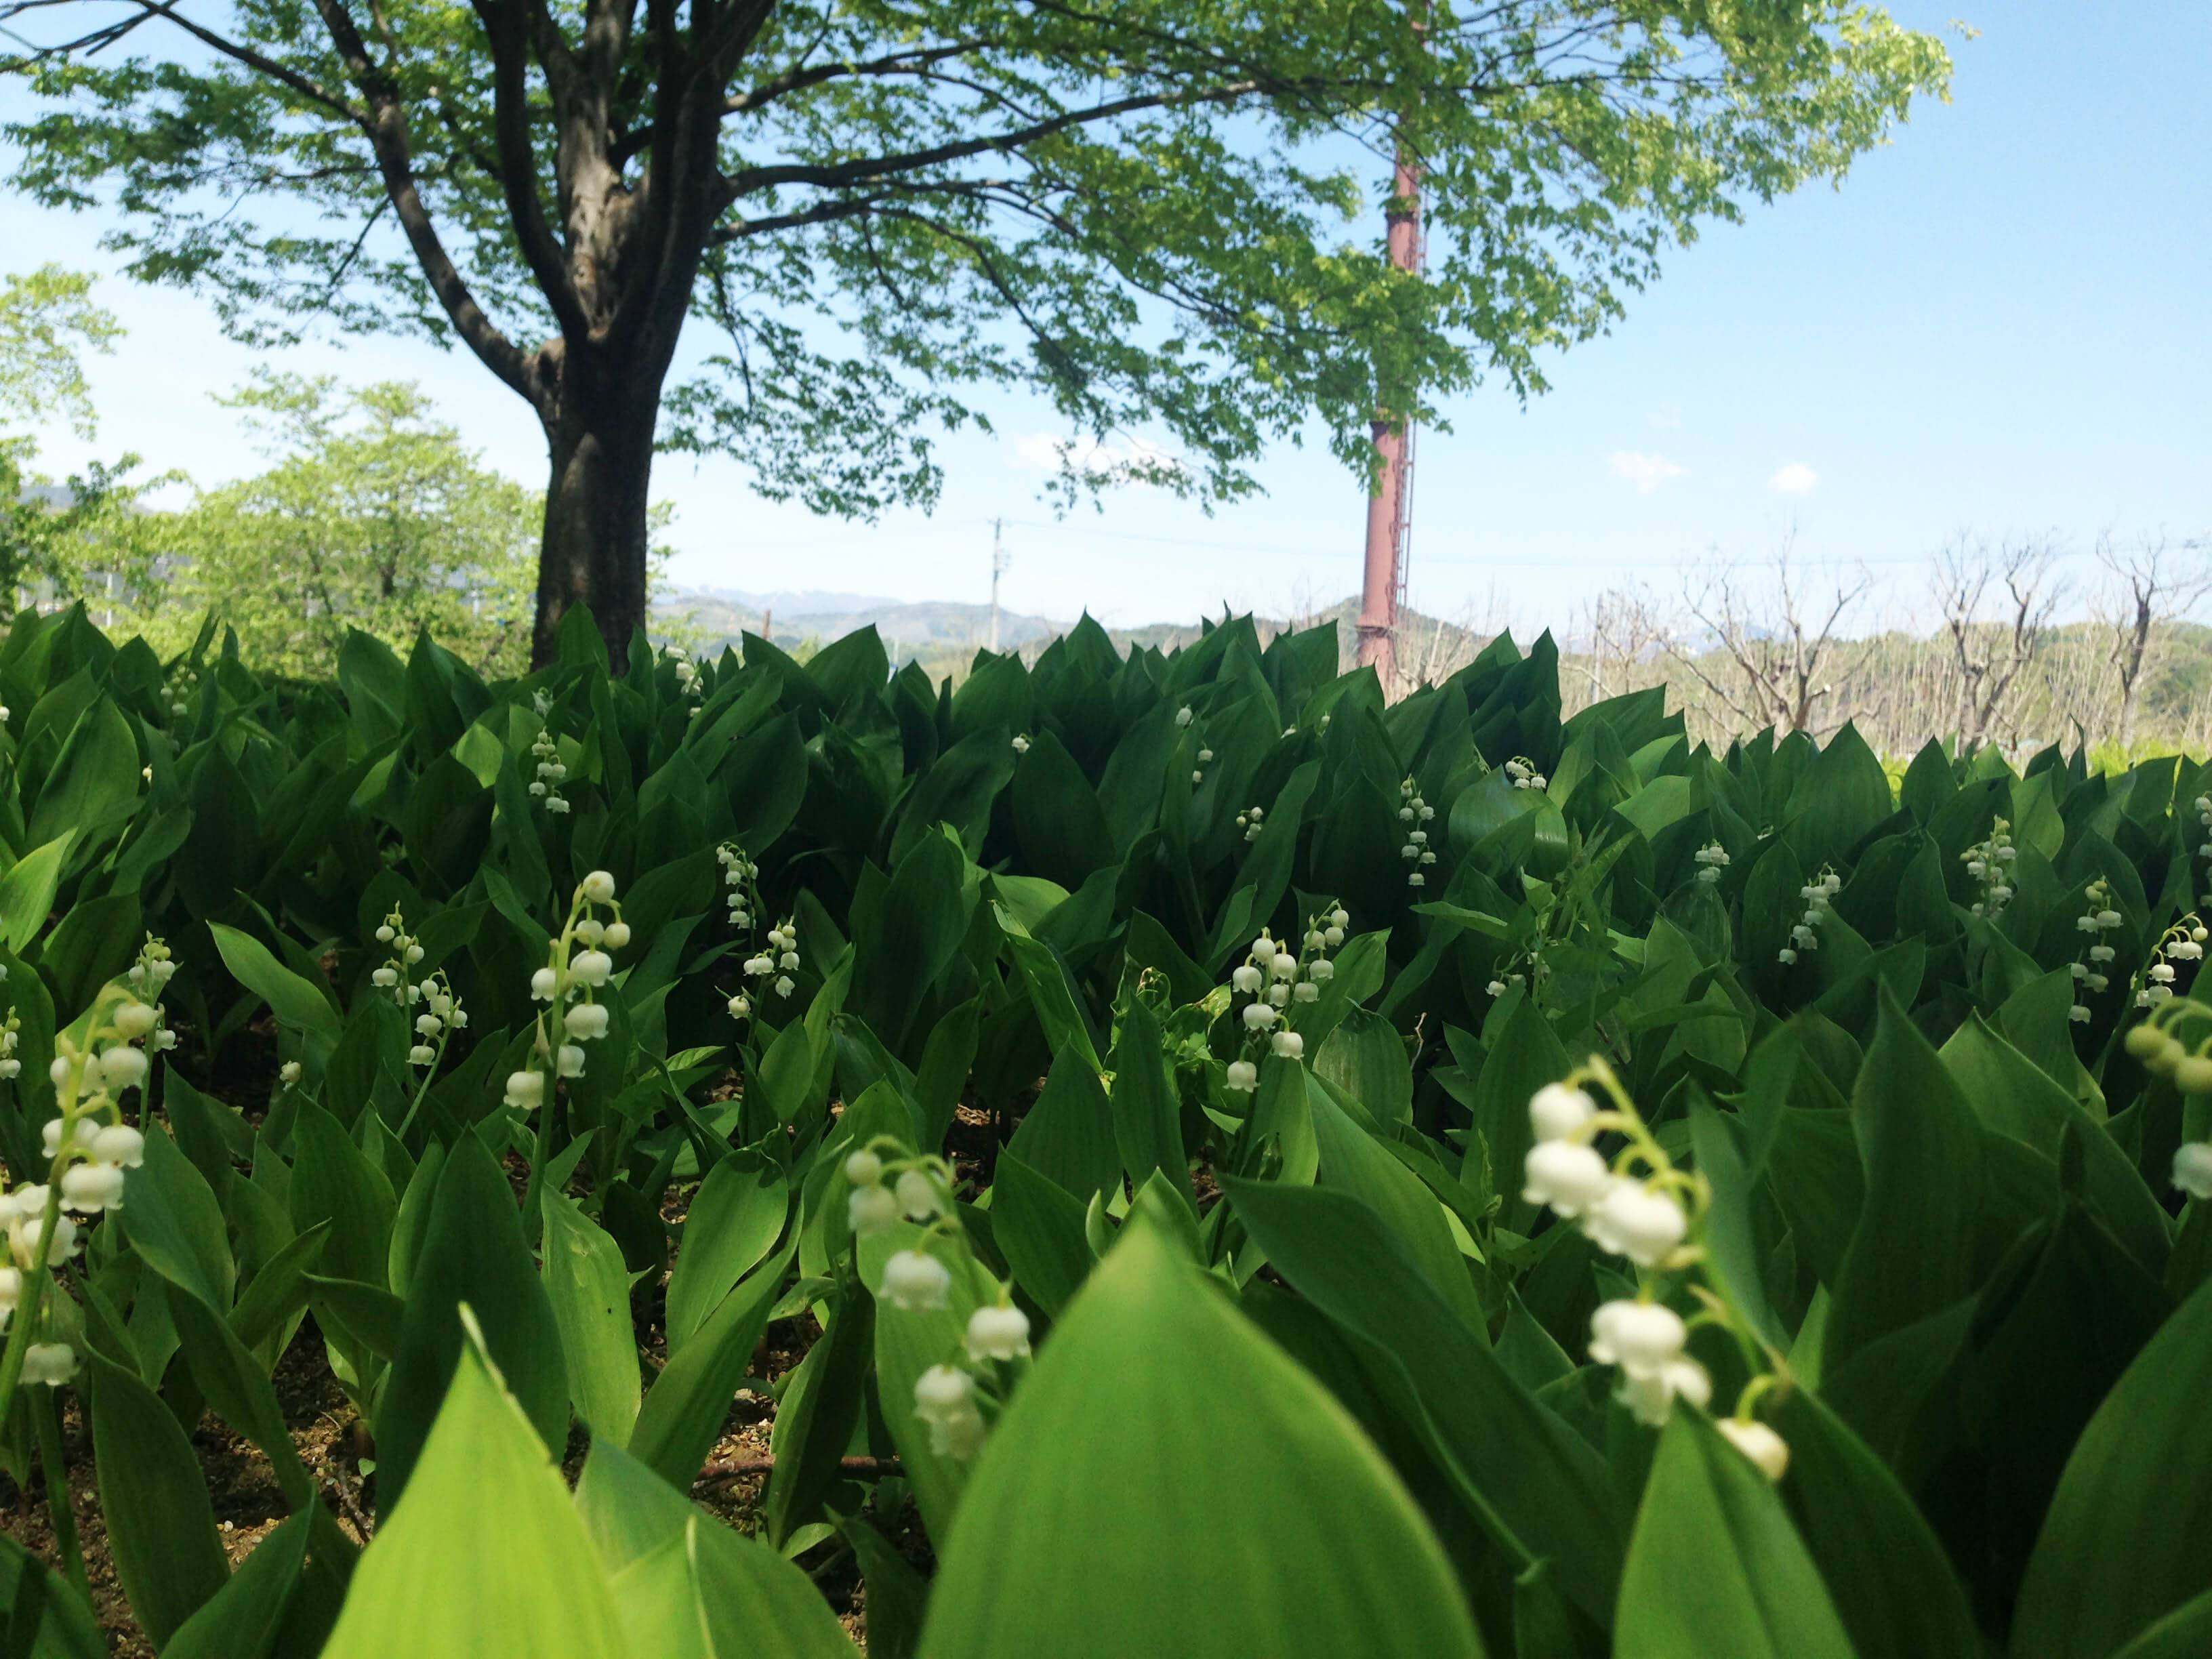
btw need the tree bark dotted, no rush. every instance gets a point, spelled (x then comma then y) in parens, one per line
(597, 538)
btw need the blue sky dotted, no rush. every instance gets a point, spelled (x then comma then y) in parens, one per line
(1996, 325)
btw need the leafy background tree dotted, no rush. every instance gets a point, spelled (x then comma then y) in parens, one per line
(373, 515)
(60, 538)
(1159, 215)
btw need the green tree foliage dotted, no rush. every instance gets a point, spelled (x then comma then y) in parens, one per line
(372, 516)
(56, 533)
(1157, 215)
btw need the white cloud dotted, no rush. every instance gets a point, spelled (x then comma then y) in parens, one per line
(1794, 479)
(1646, 472)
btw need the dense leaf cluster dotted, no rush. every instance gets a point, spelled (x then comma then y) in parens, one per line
(1310, 1375)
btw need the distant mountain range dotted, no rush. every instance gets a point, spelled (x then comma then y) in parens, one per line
(716, 617)
(944, 636)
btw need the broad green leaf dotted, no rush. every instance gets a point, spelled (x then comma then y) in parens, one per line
(293, 999)
(1715, 1567)
(684, 1408)
(1327, 1556)
(734, 1221)
(484, 1557)
(473, 1252)
(242, 1619)
(2123, 1544)
(589, 1290)
(44, 1616)
(160, 1526)
(26, 891)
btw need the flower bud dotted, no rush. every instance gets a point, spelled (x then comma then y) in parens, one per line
(598, 887)
(59, 1071)
(864, 1168)
(2192, 1074)
(2192, 1169)
(288, 1073)
(1765, 1448)
(617, 935)
(135, 1019)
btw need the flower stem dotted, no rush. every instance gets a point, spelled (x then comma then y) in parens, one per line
(47, 1414)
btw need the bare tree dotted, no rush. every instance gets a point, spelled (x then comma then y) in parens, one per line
(1621, 630)
(1996, 604)
(2151, 582)
(1779, 645)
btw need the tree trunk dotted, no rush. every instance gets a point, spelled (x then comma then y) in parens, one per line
(596, 539)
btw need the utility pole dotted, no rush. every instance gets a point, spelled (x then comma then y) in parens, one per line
(999, 560)
(1390, 508)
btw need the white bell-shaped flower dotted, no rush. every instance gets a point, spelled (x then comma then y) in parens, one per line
(1242, 1075)
(1289, 1044)
(1639, 1337)
(864, 1168)
(944, 1399)
(1568, 1177)
(135, 1019)
(592, 967)
(1259, 1017)
(997, 1333)
(917, 1195)
(117, 1144)
(1560, 1112)
(871, 1210)
(1634, 1221)
(89, 1188)
(587, 1022)
(122, 1067)
(525, 1089)
(915, 1281)
(49, 1362)
(1651, 1399)
(542, 984)
(1247, 979)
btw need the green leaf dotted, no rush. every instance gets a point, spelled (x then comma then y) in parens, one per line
(1892, 1586)
(1327, 1556)
(94, 782)
(735, 1218)
(1147, 1115)
(708, 1593)
(1911, 1255)
(1038, 1225)
(160, 1526)
(484, 1557)
(1538, 1486)
(684, 1408)
(1714, 1566)
(173, 1221)
(588, 1287)
(293, 999)
(473, 1252)
(45, 1618)
(822, 1403)
(241, 1620)
(1365, 1058)
(2123, 1544)
(26, 891)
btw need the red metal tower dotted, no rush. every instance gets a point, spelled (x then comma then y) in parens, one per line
(1390, 508)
